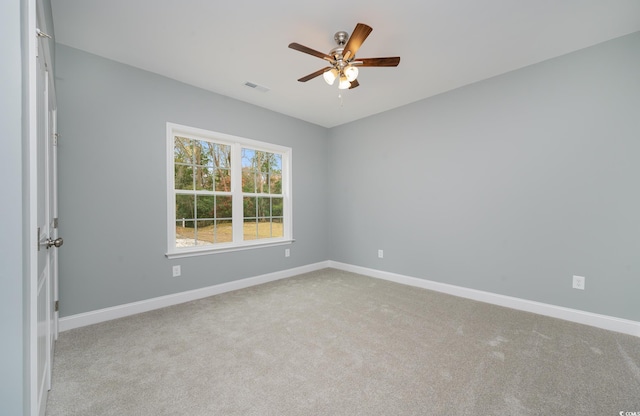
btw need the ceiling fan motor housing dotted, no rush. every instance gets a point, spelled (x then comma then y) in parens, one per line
(341, 39)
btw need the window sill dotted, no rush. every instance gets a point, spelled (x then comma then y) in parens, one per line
(192, 252)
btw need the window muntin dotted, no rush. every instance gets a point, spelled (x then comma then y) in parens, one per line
(225, 192)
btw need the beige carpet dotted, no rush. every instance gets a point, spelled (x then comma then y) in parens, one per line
(337, 343)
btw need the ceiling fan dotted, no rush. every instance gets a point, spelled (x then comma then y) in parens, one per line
(342, 58)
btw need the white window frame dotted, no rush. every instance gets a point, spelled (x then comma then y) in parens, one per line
(236, 143)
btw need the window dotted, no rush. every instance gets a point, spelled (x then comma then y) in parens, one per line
(225, 193)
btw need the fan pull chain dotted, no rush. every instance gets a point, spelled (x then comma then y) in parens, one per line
(341, 100)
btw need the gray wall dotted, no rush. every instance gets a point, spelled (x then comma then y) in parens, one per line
(112, 174)
(510, 185)
(12, 348)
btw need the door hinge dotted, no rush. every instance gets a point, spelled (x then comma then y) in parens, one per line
(41, 34)
(56, 306)
(55, 138)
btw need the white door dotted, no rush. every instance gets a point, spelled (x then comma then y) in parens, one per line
(45, 290)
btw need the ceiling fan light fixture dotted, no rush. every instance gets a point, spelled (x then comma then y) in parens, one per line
(330, 76)
(344, 83)
(351, 72)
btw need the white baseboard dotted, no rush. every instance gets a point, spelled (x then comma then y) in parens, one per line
(120, 311)
(610, 323)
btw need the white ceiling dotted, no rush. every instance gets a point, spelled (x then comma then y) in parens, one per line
(443, 44)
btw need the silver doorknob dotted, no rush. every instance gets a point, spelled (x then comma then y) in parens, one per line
(54, 243)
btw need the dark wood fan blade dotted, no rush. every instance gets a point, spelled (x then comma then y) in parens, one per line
(304, 49)
(314, 74)
(354, 84)
(390, 61)
(358, 36)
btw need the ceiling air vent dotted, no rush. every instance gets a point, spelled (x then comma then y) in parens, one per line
(256, 86)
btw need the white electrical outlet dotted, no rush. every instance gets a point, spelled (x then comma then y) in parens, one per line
(287, 252)
(380, 254)
(578, 282)
(176, 271)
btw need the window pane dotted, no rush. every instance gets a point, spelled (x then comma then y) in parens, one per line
(277, 230)
(223, 232)
(248, 158)
(262, 184)
(183, 150)
(184, 234)
(204, 232)
(249, 206)
(264, 187)
(276, 166)
(276, 207)
(263, 161)
(183, 177)
(223, 207)
(248, 180)
(184, 242)
(222, 155)
(275, 184)
(185, 207)
(250, 231)
(205, 206)
(204, 178)
(207, 154)
(264, 228)
(223, 180)
(199, 152)
(264, 207)
(275, 179)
